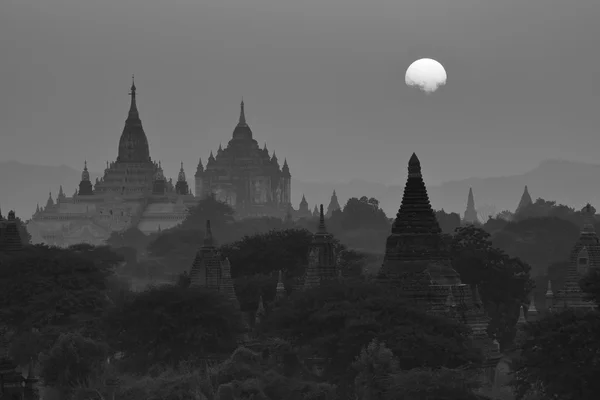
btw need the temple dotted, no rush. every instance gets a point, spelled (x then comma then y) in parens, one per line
(133, 192)
(584, 255)
(209, 270)
(525, 200)
(419, 268)
(470, 213)
(321, 257)
(245, 176)
(334, 205)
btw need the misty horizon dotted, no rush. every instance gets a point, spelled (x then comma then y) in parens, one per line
(323, 84)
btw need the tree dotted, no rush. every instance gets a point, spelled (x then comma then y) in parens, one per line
(504, 282)
(561, 358)
(72, 360)
(209, 208)
(49, 286)
(448, 221)
(336, 319)
(538, 241)
(131, 237)
(169, 324)
(23, 233)
(363, 213)
(375, 364)
(438, 384)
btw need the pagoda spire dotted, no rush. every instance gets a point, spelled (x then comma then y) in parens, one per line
(322, 228)
(242, 121)
(525, 200)
(470, 213)
(134, 116)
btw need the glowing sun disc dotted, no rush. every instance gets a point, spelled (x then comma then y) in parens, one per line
(426, 74)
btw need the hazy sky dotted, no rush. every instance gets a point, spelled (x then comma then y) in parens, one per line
(323, 82)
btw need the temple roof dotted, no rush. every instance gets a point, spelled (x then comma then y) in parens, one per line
(415, 213)
(133, 145)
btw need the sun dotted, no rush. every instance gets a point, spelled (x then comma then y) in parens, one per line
(426, 75)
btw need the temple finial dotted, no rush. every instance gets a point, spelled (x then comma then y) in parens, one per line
(242, 114)
(133, 111)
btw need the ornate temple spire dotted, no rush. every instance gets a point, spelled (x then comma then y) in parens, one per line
(532, 312)
(470, 213)
(211, 158)
(242, 121)
(220, 150)
(200, 168)
(133, 115)
(274, 159)
(181, 175)
(525, 200)
(208, 236)
(322, 228)
(50, 202)
(133, 144)
(334, 204)
(285, 169)
(85, 175)
(316, 211)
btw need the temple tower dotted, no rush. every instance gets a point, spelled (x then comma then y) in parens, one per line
(181, 187)
(334, 205)
(417, 265)
(160, 182)
(470, 212)
(415, 246)
(133, 145)
(321, 258)
(85, 186)
(525, 200)
(210, 271)
(315, 212)
(584, 255)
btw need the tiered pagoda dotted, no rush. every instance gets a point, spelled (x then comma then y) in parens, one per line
(584, 255)
(303, 210)
(470, 213)
(334, 205)
(321, 258)
(417, 263)
(210, 270)
(133, 192)
(246, 176)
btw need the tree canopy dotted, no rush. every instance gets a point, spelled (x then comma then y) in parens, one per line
(168, 324)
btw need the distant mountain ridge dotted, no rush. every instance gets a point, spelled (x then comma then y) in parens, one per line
(567, 182)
